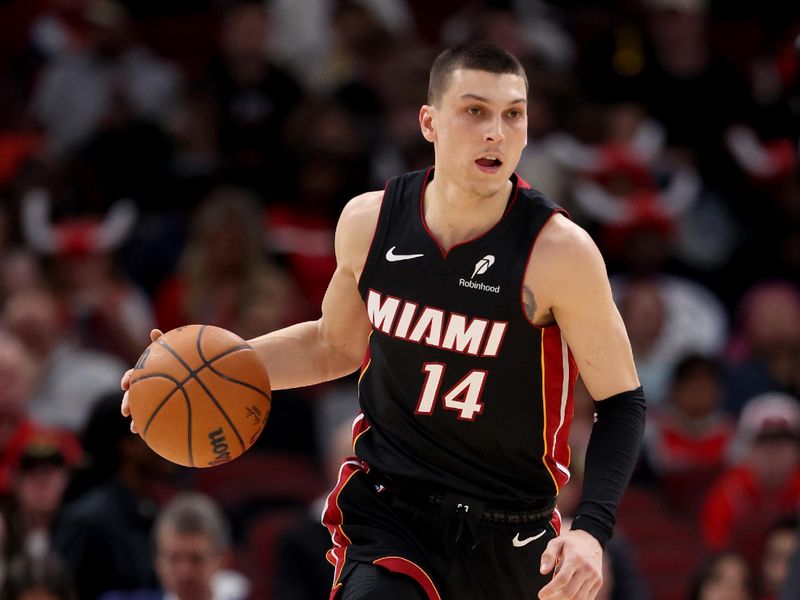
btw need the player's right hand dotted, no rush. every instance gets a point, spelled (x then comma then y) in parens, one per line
(579, 570)
(125, 383)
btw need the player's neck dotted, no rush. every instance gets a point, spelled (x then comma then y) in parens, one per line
(454, 213)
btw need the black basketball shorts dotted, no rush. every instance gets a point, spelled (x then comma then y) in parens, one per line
(454, 549)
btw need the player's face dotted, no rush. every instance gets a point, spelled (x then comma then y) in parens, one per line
(479, 128)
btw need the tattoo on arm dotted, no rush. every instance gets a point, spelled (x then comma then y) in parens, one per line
(529, 302)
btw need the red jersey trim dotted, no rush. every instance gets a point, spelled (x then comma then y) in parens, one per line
(333, 520)
(403, 566)
(374, 235)
(334, 591)
(555, 521)
(514, 193)
(558, 378)
(360, 427)
(527, 266)
(367, 358)
(365, 363)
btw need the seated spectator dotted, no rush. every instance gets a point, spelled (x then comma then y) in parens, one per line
(765, 348)
(104, 534)
(69, 378)
(101, 307)
(301, 572)
(667, 318)
(111, 77)
(38, 486)
(17, 376)
(687, 437)
(779, 548)
(225, 277)
(18, 427)
(18, 265)
(255, 96)
(19, 269)
(58, 28)
(305, 35)
(44, 578)
(192, 542)
(763, 485)
(726, 577)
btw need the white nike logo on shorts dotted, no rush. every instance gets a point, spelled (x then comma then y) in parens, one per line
(392, 257)
(518, 543)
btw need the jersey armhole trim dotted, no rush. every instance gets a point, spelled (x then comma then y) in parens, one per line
(527, 264)
(378, 235)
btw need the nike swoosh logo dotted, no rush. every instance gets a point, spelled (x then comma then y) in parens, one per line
(392, 257)
(518, 543)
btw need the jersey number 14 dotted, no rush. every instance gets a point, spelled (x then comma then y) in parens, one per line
(464, 397)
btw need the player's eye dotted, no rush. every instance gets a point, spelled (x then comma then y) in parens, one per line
(474, 110)
(515, 114)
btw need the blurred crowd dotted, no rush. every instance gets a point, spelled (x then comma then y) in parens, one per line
(165, 163)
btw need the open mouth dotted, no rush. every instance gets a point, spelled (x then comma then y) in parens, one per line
(489, 165)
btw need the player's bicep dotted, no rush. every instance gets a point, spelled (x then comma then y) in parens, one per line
(584, 309)
(344, 325)
(600, 345)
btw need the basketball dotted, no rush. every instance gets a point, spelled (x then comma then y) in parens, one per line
(199, 395)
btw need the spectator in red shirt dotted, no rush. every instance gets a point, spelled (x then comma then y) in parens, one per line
(687, 437)
(764, 485)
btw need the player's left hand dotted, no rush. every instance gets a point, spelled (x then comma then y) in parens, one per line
(579, 573)
(125, 384)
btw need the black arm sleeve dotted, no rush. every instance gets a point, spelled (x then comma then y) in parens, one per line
(610, 459)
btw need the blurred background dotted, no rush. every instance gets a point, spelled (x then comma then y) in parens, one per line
(164, 163)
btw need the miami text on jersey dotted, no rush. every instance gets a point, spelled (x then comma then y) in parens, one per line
(435, 327)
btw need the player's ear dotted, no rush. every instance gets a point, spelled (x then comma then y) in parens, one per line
(426, 124)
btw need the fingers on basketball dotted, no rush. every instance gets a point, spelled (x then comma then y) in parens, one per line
(199, 395)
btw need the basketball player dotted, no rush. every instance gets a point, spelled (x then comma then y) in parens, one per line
(470, 302)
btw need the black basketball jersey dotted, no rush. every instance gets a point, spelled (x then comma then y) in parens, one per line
(459, 388)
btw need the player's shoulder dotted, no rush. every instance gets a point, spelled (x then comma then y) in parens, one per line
(357, 223)
(360, 214)
(566, 263)
(562, 236)
(564, 248)
(363, 208)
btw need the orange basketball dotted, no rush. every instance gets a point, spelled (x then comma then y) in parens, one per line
(199, 395)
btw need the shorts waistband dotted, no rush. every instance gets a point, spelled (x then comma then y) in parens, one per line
(449, 504)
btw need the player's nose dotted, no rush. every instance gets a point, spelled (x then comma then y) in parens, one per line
(494, 131)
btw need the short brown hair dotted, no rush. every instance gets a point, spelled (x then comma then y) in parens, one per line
(192, 513)
(480, 56)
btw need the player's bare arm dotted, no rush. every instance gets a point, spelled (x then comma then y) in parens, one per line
(334, 345)
(567, 282)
